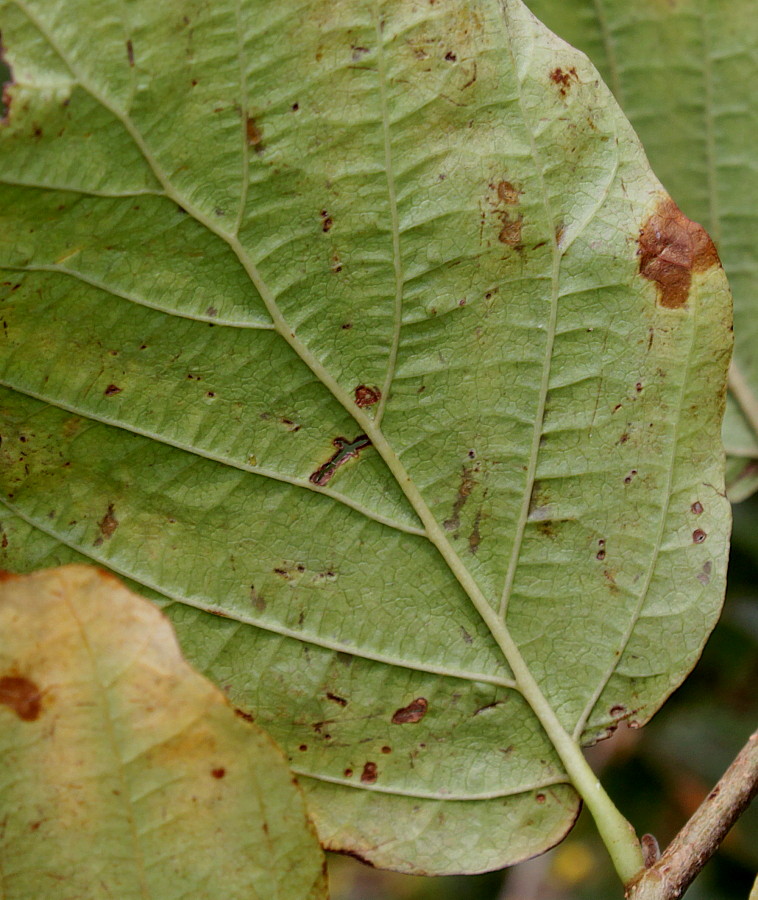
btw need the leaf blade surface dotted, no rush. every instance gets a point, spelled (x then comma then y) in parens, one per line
(450, 265)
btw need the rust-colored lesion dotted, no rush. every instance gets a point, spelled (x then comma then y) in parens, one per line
(366, 395)
(22, 696)
(412, 713)
(671, 248)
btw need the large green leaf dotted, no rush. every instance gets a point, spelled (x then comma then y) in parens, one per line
(125, 773)
(366, 328)
(685, 73)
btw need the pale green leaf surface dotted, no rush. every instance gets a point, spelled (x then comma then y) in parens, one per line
(685, 73)
(125, 773)
(394, 198)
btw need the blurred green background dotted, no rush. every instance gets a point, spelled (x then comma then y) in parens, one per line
(657, 776)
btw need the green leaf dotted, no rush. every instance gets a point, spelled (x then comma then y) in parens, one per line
(351, 324)
(126, 774)
(685, 74)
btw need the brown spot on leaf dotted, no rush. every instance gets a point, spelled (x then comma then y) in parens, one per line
(335, 698)
(475, 538)
(367, 396)
(698, 536)
(218, 773)
(254, 135)
(671, 248)
(346, 450)
(697, 508)
(243, 715)
(617, 710)
(386, 749)
(540, 798)
(508, 193)
(348, 773)
(107, 525)
(22, 696)
(112, 389)
(563, 78)
(464, 492)
(130, 53)
(369, 773)
(412, 713)
(510, 233)
(326, 221)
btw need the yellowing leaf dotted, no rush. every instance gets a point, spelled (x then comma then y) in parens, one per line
(125, 773)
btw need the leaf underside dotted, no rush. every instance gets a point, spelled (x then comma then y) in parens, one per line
(684, 73)
(322, 317)
(125, 773)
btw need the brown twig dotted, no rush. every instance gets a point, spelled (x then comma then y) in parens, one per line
(670, 877)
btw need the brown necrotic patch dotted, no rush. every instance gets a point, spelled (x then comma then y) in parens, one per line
(369, 773)
(671, 248)
(22, 696)
(346, 450)
(107, 525)
(254, 134)
(563, 78)
(412, 713)
(367, 396)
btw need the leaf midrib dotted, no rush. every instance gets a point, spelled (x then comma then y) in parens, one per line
(565, 746)
(301, 637)
(524, 681)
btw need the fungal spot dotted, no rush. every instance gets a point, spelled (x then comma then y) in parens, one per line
(697, 508)
(243, 715)
(358, 52)
(111, 390)
(487, 706)
(340, 701)
(218, 773)
(698, 536)
(326, 221)
(348, 773)
(22, 696)
(346, 326)
(295, 107)
(467, 639)
(130, 53)
(465, 488)
(367, 396)
(386, 749)
(564, 78)
(510, 233)
(629, 478)
(508, 193)
(303, 748)
(617, 710)
(540, 798)
(412, 713)
(107, 525)
(346, 450)
(369, 773)
(336, 264)
(254, 135)
(672, 247)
